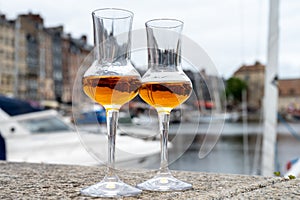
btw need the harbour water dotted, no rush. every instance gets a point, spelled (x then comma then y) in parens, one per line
(232, 150)
(230, 156)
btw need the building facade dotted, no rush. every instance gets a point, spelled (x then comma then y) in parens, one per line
(56, 51)
(38, 63)
(254, 76)
(289, 95)
(46, 83)
(7, 57)
(31, 24)
(74, 52)
(288, 89)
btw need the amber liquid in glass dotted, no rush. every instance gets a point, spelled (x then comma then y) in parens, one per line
(165, 96)
(111, 91)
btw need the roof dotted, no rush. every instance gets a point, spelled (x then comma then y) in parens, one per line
(251, 68)
(32, 17)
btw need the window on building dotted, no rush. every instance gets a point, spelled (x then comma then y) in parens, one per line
(292, 91)
(247, 77)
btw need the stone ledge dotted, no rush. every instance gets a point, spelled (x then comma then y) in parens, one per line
(46, 181)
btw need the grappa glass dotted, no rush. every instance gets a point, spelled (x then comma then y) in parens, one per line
(164, 86)
(111, 81)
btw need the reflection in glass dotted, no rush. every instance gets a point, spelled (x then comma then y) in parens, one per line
(164, 86)
(111, 81)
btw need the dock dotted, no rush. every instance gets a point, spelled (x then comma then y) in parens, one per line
(51, 181)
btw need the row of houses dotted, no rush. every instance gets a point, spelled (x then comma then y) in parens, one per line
(36, 62)
(288, 89)
(40, 63)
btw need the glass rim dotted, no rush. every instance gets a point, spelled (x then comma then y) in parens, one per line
(164, 23)
(125, 13)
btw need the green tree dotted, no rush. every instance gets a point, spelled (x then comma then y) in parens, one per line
(234, 89)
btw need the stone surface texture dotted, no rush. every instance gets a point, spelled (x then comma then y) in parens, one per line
(48, 181)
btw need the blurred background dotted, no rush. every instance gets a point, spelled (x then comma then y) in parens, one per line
(43, 44)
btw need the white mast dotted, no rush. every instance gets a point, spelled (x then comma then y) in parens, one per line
(271, 92)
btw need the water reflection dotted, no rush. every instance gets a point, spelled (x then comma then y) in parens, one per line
(228, 155)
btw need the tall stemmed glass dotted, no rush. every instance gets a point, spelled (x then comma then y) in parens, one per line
(111, 81)
(164, 86)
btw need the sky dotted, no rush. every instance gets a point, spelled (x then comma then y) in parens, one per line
(232, 32)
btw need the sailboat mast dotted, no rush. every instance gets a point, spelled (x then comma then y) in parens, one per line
(271, 92)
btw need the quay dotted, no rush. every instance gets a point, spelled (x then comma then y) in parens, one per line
(49, 181)
(230, 129)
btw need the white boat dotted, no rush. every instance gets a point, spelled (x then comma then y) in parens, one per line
(45, 137)
(293, 168)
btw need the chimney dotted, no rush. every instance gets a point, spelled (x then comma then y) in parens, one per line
(2, 16)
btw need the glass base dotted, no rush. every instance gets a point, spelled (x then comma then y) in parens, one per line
(110, 189)
(164, 182)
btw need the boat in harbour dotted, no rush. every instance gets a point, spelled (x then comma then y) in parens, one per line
(293, 168)
(46, 137)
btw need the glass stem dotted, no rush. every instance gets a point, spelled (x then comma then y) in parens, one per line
(112, 123)
(164, 119)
